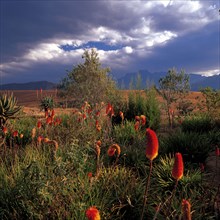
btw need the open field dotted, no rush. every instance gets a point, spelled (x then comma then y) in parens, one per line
(30, 99)
(57, 165)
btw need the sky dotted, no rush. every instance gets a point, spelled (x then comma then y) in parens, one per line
(42, 40)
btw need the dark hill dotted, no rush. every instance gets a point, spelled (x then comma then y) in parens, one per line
(45, 85)
(148, 78)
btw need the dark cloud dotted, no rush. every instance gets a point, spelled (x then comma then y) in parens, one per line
(25, 25)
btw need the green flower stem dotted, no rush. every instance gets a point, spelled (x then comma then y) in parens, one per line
(146, 190)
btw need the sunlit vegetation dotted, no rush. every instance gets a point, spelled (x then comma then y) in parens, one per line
(110, 159)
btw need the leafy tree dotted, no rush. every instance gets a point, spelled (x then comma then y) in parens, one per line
(212, 101)
(173, 87)
(88, 81)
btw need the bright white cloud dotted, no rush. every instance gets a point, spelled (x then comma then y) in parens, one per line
(211, 72)
(136, 40)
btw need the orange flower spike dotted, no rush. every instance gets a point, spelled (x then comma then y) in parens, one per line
(52, 113)
(92, 213)
(121, 114)
(143, 120)
(186, 210)
(152, 144)
(108, 108)
(111, 152)
(137, 118)
(46, 114)
(99, 143)
(46, 140)
(39, 139)
(21, 136)
(5, 130)
(89, 174)
(49, 121)
(39, 124)
(114, 148)
(15, 134)
(178, 167)
(136, 125)
(98, 150)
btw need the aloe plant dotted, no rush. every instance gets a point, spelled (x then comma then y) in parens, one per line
(8, 108)
(47, 103)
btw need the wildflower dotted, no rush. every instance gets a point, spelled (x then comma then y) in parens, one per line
(136, 125)
(46, 140)
(111, 152)
(84, 116)
(21, 136)
(46, 114)
(99, 143)
(143, 120)
(178, 167)
(39, 139)
(98, 150)
(98, 113)
(39, 124)
(92, 213)
(186, 210)
(121, 114)
(98, 126)
(15, 134)
(52, 113)
(89, 174)
(109, 110)
(152, 144)
(5, 130)
(217, 151)
(49, 120)
(114, 148)
(137, 118)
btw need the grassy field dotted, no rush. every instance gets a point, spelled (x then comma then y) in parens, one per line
(93, 162)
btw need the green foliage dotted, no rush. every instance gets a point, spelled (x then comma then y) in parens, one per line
(173, 88)
(195, 147)
(47, 103)
(152, 109)
(88, 81)
(197, 123)
(144, 103)
(8, 108)
(212, 101)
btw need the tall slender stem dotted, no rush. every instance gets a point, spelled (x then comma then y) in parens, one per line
(146, 190)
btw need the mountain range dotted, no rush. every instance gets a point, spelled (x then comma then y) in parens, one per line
(147, 78)
(45, 85)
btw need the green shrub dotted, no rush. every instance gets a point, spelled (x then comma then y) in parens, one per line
(140, 103)
(195, 147)
(201, 123)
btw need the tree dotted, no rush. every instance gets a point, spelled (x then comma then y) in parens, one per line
(88, 81)
(212, 101)
(173, 87)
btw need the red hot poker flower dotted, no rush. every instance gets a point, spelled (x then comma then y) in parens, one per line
(136, 125)
(39, 124)
(152, 144)
(92, 213)
(15, 134)
(186, 209)
(178, 167)
(5, 130)
(114, 148)
(143, 120)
